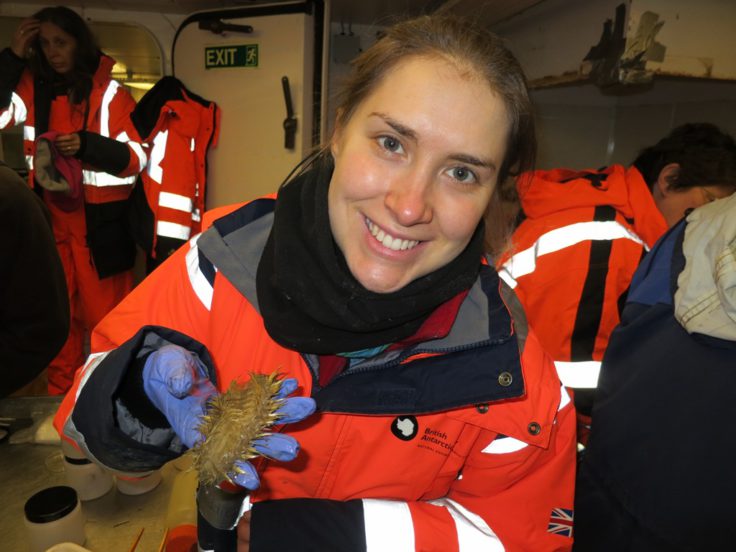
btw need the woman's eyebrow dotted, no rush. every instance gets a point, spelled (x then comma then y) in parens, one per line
(472, 160)
(401, 129)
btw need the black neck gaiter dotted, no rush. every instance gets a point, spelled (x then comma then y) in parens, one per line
(309, 300)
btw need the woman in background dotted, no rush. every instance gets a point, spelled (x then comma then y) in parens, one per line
(82, 154)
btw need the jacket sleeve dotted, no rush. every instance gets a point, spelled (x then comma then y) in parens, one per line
(509, 496)
(117, 149)
(15, 93)
(106, 412)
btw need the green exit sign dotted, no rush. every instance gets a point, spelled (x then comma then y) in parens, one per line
(244, 55)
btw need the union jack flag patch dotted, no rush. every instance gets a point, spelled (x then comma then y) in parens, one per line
(560, 522)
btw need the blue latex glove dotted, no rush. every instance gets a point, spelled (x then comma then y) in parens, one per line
(277, 446)
(176, 382)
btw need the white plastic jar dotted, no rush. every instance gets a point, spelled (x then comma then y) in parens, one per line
(87, 478)
(54, 515)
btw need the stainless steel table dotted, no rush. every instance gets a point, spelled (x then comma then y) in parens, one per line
(113, 520)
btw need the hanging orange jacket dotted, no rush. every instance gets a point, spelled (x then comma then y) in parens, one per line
(573, 257)
(179, 128)
(463, 443)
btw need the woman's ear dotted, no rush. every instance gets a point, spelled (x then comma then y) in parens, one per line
(335, 142)
(665, 183)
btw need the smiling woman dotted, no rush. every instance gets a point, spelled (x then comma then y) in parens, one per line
(364, 283)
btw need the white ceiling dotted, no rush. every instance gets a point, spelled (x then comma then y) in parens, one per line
(487, 12)
(347, 11)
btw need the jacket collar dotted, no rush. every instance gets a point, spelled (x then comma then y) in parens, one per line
(481, 339)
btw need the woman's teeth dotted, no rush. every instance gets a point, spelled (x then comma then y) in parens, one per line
(395, 244)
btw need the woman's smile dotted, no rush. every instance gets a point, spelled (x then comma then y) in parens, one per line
(388, 241)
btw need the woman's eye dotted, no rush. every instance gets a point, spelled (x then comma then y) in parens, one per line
(463, 174)
(389, 143)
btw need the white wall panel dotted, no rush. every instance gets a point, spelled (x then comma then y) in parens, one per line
(250, 159)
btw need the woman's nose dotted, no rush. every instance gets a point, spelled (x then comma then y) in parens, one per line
(409, 200)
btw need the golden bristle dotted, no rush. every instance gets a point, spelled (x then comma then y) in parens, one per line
(235, 419)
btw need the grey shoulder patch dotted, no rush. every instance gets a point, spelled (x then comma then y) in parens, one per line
(467, 328)
(237, 255)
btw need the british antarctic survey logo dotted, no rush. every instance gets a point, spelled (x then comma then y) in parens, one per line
(405, 427)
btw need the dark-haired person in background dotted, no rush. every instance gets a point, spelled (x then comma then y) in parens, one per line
(34, 319)
(56, 82)
(584, 234)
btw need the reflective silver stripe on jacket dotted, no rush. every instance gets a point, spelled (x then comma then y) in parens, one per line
(172, 230)
(580, 375)
(101, 179)
(201, 286)
(473, 533)
(175, 201)
(525, 262)
(179, 203)
(157, 155)
(112, 89)
(389, 526)
(16, 111)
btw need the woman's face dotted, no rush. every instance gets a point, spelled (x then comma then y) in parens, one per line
(58, 47)
(415, 167)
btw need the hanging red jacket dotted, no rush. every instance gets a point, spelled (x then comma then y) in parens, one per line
(179, 128)
(573, 257)
(457, 444)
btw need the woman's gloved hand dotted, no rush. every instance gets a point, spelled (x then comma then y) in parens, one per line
(176, 382)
